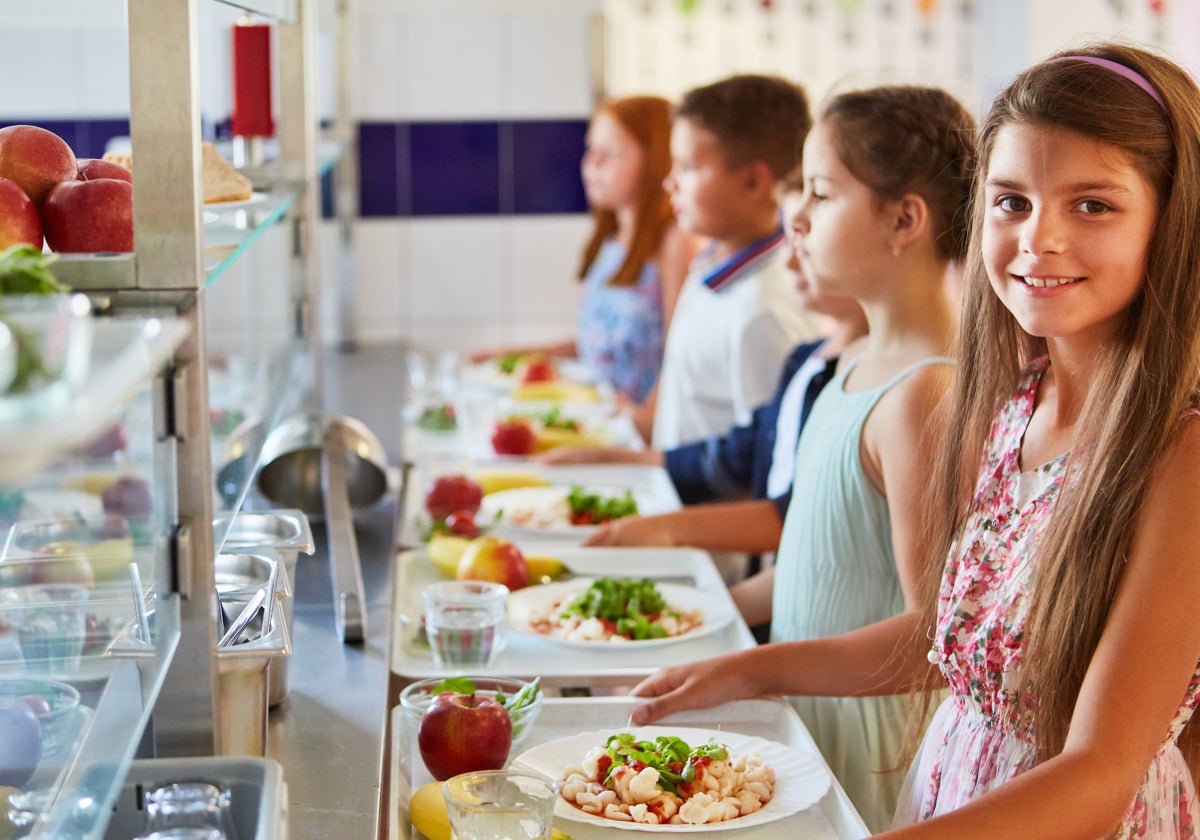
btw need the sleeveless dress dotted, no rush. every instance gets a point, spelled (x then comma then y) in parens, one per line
(619, 333)
(982, 734)
(835, 572)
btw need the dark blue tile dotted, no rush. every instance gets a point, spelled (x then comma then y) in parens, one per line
(545, 166)
(327, 188)
(93, 135)
(383, 183)
(455, 168)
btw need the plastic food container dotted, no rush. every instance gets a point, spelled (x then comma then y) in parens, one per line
(52, 337)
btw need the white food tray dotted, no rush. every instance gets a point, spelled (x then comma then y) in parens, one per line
(558, 664)
(652, 485)
(832, 818)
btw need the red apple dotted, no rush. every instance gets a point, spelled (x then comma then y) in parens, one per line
(19, 219)
(513, 437)
(462, 733)
(128, 496)
(90, 169)
(536, 369)
(448, 493)
(495, 560)
(36, 159)
(89, 216)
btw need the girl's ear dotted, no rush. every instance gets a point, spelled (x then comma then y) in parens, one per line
(910, 219)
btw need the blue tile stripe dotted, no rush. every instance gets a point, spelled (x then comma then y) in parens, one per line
(428, 168)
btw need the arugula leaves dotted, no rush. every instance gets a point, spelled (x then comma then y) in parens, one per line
(672, 757)
(593, 508)
(627, 602)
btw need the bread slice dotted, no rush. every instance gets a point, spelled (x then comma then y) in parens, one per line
(219, 180)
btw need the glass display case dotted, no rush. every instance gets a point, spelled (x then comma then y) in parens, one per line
(113, 504)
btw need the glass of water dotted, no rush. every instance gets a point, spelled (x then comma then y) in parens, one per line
(199, 806)
(464, 620)
(500, 805)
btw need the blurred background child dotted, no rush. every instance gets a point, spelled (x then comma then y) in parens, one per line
(635, 261)
(738, 315)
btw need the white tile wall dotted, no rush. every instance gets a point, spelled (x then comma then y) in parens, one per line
(452, 65)
(550, 65)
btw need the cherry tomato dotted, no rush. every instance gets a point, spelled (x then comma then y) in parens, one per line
(462, 523)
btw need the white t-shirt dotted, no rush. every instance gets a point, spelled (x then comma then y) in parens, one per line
(725, 350)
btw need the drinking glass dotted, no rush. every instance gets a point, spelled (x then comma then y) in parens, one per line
(190, 805)
(463, 620)
(500, 805)
(52, 626)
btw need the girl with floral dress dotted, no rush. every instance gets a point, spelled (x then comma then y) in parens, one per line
(1064, 619)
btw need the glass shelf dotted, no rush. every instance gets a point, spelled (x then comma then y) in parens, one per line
(281, 10)
(230, 229)
(126, 353)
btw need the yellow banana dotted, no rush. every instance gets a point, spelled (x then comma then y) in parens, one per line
(493, 481)
(445, 550)
(555, 391)
(549, 438)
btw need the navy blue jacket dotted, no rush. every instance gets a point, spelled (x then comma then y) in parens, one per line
(736, 464)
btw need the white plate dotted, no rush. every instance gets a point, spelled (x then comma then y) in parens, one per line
(255, 198)
(524, 603)
(801, 779)
(488, 374)
(211, 218)
(548, 506)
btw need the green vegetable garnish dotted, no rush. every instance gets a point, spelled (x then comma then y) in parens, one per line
(25, 270)
(592, 508)
(509, 362)
(630, 603)
(672, 757)
(438, 418)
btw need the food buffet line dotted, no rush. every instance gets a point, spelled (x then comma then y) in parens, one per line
(568, 637)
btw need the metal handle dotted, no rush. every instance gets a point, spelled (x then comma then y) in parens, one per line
(349, 601)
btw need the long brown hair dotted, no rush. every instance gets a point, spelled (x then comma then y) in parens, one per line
(648, 120)
(1148, 377)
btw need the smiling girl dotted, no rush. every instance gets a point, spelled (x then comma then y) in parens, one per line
(1064, 618)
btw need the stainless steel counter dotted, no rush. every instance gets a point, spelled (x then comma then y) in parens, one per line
(329, 733)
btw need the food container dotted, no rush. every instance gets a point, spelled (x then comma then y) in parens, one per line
(52, 335)
(287, 533)
(416, 698)
(257, 793)
(237, 577)
(242, 677)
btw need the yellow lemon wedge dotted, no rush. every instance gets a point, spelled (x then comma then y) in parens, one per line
(445, 550)
(493, 481)
(427, 811)
(543, 568)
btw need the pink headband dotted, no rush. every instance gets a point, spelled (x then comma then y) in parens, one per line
(1121, 70)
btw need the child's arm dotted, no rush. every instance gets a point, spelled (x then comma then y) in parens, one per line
(753, 596)
(558, 350)
(599, 455)
(1133, 688)
(751, 526)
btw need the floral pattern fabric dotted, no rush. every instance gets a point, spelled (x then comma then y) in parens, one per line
(982, 735)
(620, 328)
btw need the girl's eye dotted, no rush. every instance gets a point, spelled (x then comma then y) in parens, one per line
(1012, 204)
(1093, 206)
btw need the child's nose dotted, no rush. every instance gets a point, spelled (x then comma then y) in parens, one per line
(1042, 232)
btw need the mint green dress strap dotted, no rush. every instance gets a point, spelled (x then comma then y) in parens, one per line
(835, 572)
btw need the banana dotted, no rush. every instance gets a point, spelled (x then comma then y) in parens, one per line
(493, 481)
(555, 392)
(445, 550)
(543, 568)
(427, 810)
(549, 438)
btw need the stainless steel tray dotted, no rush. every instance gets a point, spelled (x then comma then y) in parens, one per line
(557, 664)
(832, 818)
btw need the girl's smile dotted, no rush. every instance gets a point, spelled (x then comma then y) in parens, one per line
(1066, 228)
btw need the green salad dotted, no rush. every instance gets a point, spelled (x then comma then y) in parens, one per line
(632, 605)
(594, 508)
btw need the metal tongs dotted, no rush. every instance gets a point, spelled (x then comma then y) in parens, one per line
(238, 628)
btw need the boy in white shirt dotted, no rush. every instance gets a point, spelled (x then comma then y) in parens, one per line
(738, 314)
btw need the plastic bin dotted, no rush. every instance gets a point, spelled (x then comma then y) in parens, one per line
(258, 793)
